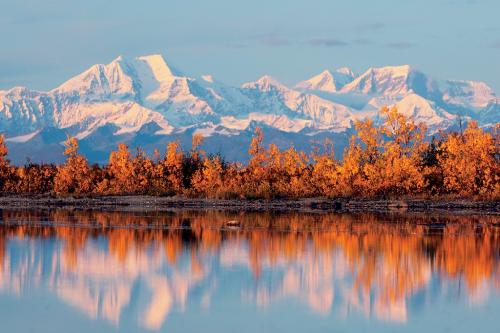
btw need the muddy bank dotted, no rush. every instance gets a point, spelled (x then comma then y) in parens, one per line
(138, 203)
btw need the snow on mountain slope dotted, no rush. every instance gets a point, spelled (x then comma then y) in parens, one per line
(415, 107)
(99, 82)
(273, 97)
(392, 81)
(146, 80)
(425, 111)
(23, 138)
(23, 111)
(128, 116)
(490, 115)
(469, 94)
(327, 81)
(222, 98)
(266, 84)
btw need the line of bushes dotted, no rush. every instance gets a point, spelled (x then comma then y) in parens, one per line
(390, 160)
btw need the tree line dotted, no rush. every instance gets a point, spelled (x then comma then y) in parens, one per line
(390, 160)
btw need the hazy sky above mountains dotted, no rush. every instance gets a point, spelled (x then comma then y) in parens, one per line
(46, 42)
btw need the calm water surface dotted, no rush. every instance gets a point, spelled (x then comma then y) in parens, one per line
(89, 271)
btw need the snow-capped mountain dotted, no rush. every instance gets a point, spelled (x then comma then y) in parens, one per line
(294, 110)
(392, 81)
(327, 81)
(144, 102)
(471, 95)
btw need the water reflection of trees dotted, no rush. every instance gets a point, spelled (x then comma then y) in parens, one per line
(370, 263)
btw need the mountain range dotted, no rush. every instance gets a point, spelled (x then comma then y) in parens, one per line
(145, 103)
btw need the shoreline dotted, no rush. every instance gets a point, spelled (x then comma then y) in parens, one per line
(340, 205)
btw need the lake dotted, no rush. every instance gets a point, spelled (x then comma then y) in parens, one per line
(214, 271)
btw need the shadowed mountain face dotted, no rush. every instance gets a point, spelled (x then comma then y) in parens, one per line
(188, 268)
(144, 102)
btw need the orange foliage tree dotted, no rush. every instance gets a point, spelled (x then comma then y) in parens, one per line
(74, 176)
(400, 169)
(325, 174)
(171, 168)
(33, 178)
(120, 176)
(359, 169)
(273, 173)
(469, 163)
(385, 160)
(209, 180)
(5, 170)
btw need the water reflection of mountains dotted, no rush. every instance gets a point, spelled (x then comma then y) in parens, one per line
(384, 266)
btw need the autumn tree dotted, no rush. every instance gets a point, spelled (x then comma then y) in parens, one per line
(120, 176)
(193, 162)
(275, 173)
(74, 176)
(168, 174)
(196, 154)
(255, 182)
(325, 177)
(431, 168)
(4, 163)
(384, 160)
(143, 170)
(33, 178)
(469, 163)
(358, 171)
(290, 173)
(400, 165)
(257, 150)
(209, 179)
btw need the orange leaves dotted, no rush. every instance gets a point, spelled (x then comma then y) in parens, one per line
(73, 177)
(274, 173)
(3, 149)
(31, 178)
(469, 165)
(370, 138)
(403, 131)
(120, 175)
(173, 166)
(385, 160)
(256, 148)
(5, 173)
(209, 180)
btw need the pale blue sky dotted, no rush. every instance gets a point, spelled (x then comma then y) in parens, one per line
(44, 42)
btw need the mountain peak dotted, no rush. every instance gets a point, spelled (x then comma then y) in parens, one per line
(265, 83)
(326, 73)
(473, 94)
(158, 66)
(324, 81)
(120, 76)
(327, 81)
(392, 80)
(346, 71)
(118, 59)
(267, 78)
(401, 70)
(100, 79)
